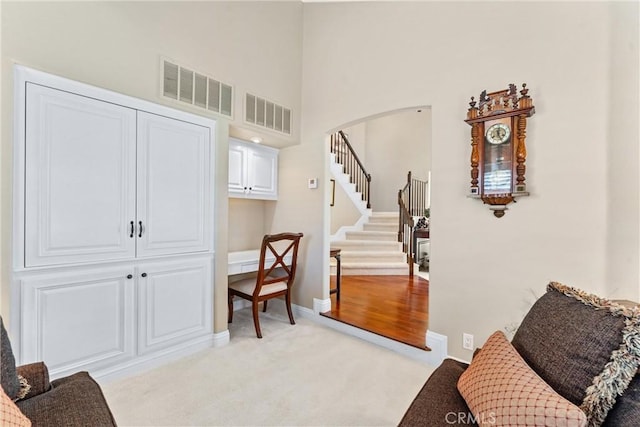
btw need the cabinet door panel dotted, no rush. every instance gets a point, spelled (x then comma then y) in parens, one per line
(173, 186)
(175, 301)
(79, 183)
(237, 170)
(263, 173)
(78, 320)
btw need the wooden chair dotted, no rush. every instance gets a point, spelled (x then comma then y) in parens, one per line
(273, 280)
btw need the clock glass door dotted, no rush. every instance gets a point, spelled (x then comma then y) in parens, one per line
(498, 157)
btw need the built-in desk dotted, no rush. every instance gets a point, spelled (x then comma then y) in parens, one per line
(247, 261)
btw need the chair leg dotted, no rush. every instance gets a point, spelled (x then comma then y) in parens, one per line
(264, 307)
(288, 301)
(230, 302)
(256, 320)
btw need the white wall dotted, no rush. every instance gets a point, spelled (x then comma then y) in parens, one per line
(343, 213)
(117, 46)
(485, 272)
(396, 144)
(357, 136)
(246, 223)
(389, 146)
(623, 190)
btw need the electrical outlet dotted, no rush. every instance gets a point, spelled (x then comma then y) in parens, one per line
(467, 341)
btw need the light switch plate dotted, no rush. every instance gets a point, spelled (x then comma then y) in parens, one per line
(313, 182)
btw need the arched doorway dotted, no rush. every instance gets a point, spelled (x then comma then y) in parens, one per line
(377, 292)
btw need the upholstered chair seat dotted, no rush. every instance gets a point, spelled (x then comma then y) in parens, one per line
(248, 286)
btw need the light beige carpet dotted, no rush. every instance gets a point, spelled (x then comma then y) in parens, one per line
(302, 375)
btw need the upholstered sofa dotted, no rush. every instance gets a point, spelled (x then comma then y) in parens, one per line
(587, 349)
(75, 400)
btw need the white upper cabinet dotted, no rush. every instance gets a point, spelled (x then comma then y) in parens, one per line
(79, 178)
(237, 169)
(106, 182)
(262, 173)
(253, 171)
(173, 186)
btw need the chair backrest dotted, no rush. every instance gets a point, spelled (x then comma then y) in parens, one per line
(279, 245)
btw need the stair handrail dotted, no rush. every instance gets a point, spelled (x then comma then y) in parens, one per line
(415, 195)
(349, 159)
(405, 228)
(412, 201)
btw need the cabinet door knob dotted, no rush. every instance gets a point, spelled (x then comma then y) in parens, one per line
(140, 229)
(144, 274)
(133, 228)
(129, 276)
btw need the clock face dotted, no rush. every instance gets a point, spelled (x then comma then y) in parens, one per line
(498, 134)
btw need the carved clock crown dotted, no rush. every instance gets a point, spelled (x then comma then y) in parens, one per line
(500, 102)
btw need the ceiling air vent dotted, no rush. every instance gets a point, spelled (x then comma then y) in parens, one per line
(264, 113)
(188, 86)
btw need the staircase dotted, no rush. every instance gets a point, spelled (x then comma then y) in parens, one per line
(374, 250)
(371, 246)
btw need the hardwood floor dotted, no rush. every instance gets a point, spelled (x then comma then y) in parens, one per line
(395, 307)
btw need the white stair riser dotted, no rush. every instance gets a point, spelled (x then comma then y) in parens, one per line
(367, 271)
(381, 226)
(367, 245)
(373, 219)
(372, 235)
(348, 271)
(372, 256)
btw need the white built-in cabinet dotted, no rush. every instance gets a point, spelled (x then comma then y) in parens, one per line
(253, 170)
(80, 181)
(113, 227)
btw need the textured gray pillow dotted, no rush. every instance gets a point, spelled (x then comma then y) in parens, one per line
(8, 376)
(587, 348)
(626, 411)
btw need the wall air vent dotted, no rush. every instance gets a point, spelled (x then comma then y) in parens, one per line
(264, 113)
(188, 86)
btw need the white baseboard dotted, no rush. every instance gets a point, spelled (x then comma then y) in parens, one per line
(438, 344)
(145, 363)
(458, 359)
(319, 306)
(221, 339)
(239, 304)
(305, 312)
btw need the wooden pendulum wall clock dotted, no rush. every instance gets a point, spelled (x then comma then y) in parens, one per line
(498, 148)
